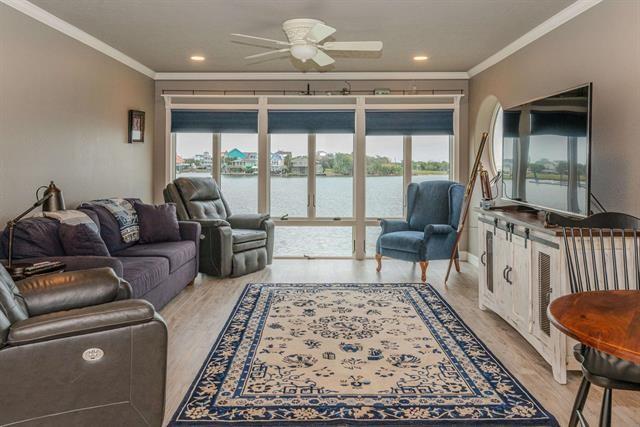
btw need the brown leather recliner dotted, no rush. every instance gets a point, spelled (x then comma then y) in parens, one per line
(76, 351)
(230, 245)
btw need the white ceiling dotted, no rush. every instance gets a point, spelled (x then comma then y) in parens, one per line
(162, 34)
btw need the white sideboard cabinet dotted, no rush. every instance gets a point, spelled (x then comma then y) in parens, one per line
(521, 270)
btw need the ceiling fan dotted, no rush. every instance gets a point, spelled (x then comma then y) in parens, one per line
(305, 42)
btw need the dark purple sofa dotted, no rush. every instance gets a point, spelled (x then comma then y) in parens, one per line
(157, 272)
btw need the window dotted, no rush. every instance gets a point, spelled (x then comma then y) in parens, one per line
(289, 171)
(384, 183)
(430, 157)
(239, 171)
(193, 154)
(334, 175)
(310, 180)
(497, 134)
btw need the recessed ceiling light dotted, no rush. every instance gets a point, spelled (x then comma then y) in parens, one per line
(198, 58)
(420, 58)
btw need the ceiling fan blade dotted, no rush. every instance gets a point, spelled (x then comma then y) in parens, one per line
(319, 32)
(258, 55)
(353, 46)
(262, 38)
(322, 59)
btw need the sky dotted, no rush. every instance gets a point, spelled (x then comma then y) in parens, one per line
(434, 148)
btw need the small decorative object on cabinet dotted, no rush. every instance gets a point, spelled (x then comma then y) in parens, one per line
(136, 126)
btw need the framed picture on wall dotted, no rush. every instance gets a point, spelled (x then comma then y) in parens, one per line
(136, 126)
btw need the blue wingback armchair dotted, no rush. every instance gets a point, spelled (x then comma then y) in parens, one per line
(429, 232)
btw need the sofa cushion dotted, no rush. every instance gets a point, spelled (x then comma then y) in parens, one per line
(91, 214)
(144, 273)
(80, 239)
(33, 238)
(157, 223)
(177, 253)
(241, 235)
(407, 241)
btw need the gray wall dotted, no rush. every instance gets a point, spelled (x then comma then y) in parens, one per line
(63, 117)
(601, 46)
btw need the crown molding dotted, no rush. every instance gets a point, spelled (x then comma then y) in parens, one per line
(74, 32)
(64, 27)
(317, 76)
(546, 27)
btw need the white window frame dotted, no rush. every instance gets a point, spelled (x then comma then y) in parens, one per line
(359, 104)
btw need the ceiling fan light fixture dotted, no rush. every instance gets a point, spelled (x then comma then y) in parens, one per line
(303, 52)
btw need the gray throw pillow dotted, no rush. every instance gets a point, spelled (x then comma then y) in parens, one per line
(81, 240)
(158, 223)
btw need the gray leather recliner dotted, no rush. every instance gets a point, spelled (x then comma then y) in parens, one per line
(231, 245)
(76, 351)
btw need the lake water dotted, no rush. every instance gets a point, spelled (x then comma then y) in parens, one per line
(334, 199)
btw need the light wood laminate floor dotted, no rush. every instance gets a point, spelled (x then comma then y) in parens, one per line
(196, 316)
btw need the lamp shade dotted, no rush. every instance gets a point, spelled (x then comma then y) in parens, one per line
(55, 202)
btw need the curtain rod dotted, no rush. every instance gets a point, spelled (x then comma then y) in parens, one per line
(336, 93)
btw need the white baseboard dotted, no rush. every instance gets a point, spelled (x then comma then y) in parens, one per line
(469, 257)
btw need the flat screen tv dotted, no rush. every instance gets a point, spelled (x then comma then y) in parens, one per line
(546, 152)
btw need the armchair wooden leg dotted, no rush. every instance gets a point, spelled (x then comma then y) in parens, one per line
(423, 267)
(456, 262)
(379, 261)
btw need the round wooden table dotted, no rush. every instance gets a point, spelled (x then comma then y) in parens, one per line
(605, 320)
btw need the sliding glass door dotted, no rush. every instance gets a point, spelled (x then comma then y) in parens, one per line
(384, 184)
(334, 176)
(288, 175)
(304, 171)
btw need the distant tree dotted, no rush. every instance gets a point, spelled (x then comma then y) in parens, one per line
(382, 166)
(537, 168)
(343, 164)
(562, 167)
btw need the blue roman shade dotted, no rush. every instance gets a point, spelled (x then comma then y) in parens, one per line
(511, 124)
(203, 121)
(420, 122)
(563, 123)
(318, 121)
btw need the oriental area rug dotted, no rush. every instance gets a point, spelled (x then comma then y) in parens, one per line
(352, 354)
